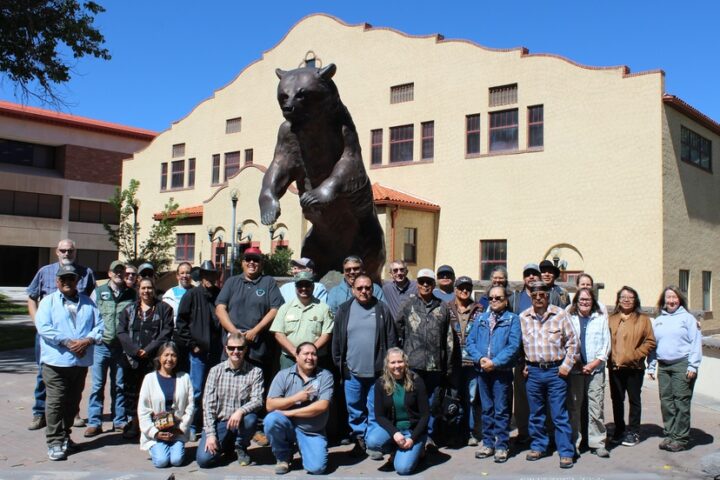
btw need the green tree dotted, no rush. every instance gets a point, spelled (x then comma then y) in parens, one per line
(37, 38)
(157, 248)
(276, 264)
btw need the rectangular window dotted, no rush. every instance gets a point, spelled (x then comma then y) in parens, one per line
(232, 164)
(178, 150)
(233, 125)
(191, 173)
(684, 282)
(428, 140)
(493, 253)
(177, 176)
(707, 291)
(30, 204)
(376, 146)
(695, 149)
(410, 245)
(27, 154)
(504, 95)
(215, 180)
(535, 126)
(163, 176)
(402, 93)
(472, 134)
(88, 211)
(401, 143)
(185, 247)
(248, 156)
(504, 130)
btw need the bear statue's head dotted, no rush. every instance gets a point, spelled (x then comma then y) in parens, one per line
(307, 93)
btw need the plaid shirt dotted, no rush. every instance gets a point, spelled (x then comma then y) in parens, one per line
(227, 390)
(549, 338)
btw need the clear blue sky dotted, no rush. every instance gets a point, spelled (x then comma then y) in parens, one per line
(170, 55)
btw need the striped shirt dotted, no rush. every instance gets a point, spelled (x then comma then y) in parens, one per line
(227, 390)
(549, 337)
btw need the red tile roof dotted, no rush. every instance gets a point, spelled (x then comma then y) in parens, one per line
(189, 212)
(388, 196)
(25, 112)
(692, 112)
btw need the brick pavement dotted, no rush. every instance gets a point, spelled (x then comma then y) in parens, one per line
(23, 453)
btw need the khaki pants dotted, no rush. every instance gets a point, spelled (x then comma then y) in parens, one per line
(675, 396)
(587, 391)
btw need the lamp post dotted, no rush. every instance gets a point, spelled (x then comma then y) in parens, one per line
(210, 231)
(556, 256)
(135, 206)
(233, 199)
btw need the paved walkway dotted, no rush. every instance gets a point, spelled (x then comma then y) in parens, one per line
(23, 453)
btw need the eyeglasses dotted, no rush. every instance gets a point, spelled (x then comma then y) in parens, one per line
(363, 288)
(584, 300)
(496, 299)
(538, 295)
(351, 269)
(66, 250)
(425, 281)
(627, 299)
(399, 270)
(236, 349)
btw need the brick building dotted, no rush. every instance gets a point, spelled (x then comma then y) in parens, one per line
(57, 172)
(495, 157)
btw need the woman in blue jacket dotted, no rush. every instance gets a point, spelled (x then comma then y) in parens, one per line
(676, 358)
(493, 344)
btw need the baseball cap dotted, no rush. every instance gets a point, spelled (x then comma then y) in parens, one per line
(116, 264)
(303, 262)
(446, 269)
(425, 273)
(252, 252)
(531, 266)
(67, 270)
(145, 266)
(464, 280)
(303, 277)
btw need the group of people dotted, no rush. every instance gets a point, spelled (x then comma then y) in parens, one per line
(394, 369)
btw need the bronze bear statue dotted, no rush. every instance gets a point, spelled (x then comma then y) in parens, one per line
(318, 149)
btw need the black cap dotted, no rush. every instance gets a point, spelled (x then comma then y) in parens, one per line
(66, 270)
(463, 281)
(547, 264)
(446, 269)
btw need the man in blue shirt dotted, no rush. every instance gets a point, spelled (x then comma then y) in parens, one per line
(42, 285)
(352, 267)
(303, 265)
(69, 326)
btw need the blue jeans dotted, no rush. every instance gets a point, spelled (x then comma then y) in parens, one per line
(495, 394)
(359, 399)
(164, 454)
(283, 435)
(38, 408)
(228, 440)
(379, 439)
(470, 399)
(200, 364)
(106, 358)
(432, 381)
(546, 387)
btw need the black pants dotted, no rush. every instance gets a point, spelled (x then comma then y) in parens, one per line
(622, 381)
(64, 391)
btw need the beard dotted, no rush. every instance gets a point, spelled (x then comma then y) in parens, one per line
(66, 261)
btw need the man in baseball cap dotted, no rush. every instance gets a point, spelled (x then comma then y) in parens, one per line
(303, 265)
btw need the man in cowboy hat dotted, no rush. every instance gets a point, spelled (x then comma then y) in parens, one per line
(549, 272)
(198, 332)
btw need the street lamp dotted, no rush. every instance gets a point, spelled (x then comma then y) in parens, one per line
(555, 256)
(135, 206)
(233, 199)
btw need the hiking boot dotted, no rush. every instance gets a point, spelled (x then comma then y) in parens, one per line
(631, 439)
(566, 462)
(600, 452)
(534, 455)
(281, 468)
(676, 447)
(501, 456)
(55, 452)
(93, 431)
(260, 439)
(472, 441)
(484, 452)
(664, 444)
(37, 423)
(242, 456)
(132, 430)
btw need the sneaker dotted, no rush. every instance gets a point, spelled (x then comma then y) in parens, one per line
(676, 447)
(501, 456)
(79, 422)
(120, 427)
(242, 456)
(281, 468)
(472, 441)
(664, 444)
(534, 455)
(600, 452)
(93, 431)
(261, 439)
(131, 431)
(566, 462)
(631, 439)
(37, 423)
(374, 454)
(485, 452)
(55, 452)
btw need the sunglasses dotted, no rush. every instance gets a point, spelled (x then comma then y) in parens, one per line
(538, 295)
(363, 289)
(66, 250)
(399, 270)
(351, 269)
(496, 299)
(236, 349)
(252, 259)
(425, 281)
(464, 288)
(445, 275)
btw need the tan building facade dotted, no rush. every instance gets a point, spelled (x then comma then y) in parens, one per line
(57, 172)
(505, 157)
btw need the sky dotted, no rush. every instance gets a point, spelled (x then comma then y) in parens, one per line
(167, 56)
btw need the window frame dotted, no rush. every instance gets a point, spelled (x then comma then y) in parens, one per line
(376, 144)
(177, 174)
(215, 170)
(234, 166)
(707, 290)
(507, 127)
(249, 155)
(491, 263)
(427, 140)
(503, 95)
(402, 93)
(535, 124)
(398, 146)
(184, 248)
(687, 148)
(475, 134)
(684, 281)
(178, 150)
(163, 176)
(191, 173)
(410, 242)
(233, 125)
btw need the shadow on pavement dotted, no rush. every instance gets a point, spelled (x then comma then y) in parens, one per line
(18, 361)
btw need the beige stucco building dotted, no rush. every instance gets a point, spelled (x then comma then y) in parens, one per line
(491, 157)
(57, 172)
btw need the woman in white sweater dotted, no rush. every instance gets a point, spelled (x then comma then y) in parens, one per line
(165, 408)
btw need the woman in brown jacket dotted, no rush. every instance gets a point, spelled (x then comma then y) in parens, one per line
(631, 340)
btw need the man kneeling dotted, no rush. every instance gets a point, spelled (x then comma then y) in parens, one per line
(298, 403)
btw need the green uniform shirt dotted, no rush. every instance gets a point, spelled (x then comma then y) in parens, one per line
(303, 324)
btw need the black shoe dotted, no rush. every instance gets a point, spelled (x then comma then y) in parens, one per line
(676, 447)
(631, 439)
(37, 423)
(358, 450)
(242, 456)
